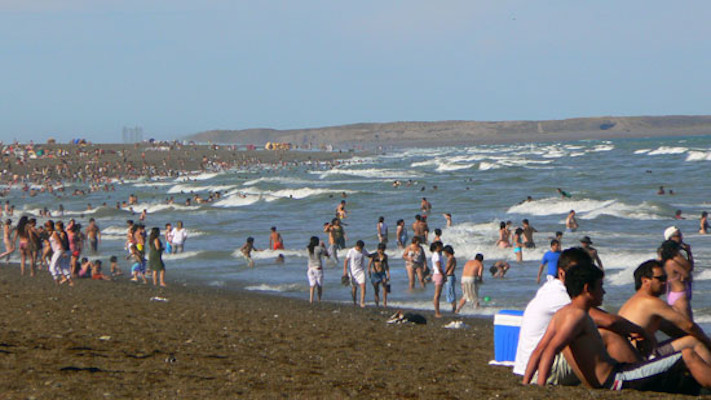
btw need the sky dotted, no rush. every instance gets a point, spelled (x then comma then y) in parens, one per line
(88, 68)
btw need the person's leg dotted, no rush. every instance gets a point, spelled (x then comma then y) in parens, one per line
(421, 277)
(354, 289)
(700, 370)
(362, 294)
(155, 278)
(461, 304)
(410, 276)
(385, 294)
(319, 290)
(23, 256)
(690, 342)
(437, 294)
(311, 294)
(619, 348)
(162, 278)
(33, 262)
(376, 294)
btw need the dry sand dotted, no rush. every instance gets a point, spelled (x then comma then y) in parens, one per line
(109, 340)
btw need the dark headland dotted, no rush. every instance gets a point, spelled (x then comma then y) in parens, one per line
(421, 134)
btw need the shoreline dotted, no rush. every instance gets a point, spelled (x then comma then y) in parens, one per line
(107, 339)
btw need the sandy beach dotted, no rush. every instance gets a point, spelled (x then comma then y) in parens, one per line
(110, 340)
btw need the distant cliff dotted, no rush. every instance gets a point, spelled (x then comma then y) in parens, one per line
(465, 132)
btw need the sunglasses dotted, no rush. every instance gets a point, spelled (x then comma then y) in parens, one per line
(660, 278)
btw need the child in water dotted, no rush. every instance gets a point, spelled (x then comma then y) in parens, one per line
(247, 249)
(115, 270)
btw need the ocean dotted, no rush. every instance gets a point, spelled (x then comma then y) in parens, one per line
(613, 184)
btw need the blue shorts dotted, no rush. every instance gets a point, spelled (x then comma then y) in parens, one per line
(450, 294)
(517, 250)
(168, 248)
(139, 267)
(377, 277)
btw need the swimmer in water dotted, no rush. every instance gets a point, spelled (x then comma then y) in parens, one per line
(563, 194)
(518, 244)
(448, 218)
(704, 223)
(275, 240)
(247, 249)
(571, 224)
(504, 234)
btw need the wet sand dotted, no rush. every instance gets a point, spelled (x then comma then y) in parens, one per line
(109, 340)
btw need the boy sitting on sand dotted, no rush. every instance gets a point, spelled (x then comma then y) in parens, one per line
(96, 272)
(572, 332)
(115, 270)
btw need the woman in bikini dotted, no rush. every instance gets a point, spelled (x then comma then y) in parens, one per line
(679, 281)
(24, 239)
(415, 262)
(704, 223)
(7, 240)
(504, 234)
(518, 244)
(379, 273)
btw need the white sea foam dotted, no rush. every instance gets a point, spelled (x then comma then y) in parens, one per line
(587, 208)
(302, 193)
(642, 151)
(603, 147)
(185, 188)
(152, 208)
(287, 287)
(276, 179)
(698, 156)
(444, 166)
(198, 177)
(114, 230)
(181, 256)
(486, 166)
(267, 254)
(425, 163)
(237, 200)
(378, 173)
(153, 184)
(704, 275)
(662, 150)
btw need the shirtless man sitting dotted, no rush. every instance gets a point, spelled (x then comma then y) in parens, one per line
(647, 310)
(574, 333)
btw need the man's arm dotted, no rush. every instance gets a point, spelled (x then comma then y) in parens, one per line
(540, 271)
(612, 322)
(669, 314)
(556, 338)
(599, 262)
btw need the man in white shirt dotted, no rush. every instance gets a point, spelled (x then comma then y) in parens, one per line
(553, 296)
(179, 237)
(357, 258)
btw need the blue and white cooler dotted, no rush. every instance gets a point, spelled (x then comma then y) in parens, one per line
(507, 325)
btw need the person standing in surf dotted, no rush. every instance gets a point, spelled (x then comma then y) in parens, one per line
(314, 271)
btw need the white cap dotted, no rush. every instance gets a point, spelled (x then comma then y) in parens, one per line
(669, 232)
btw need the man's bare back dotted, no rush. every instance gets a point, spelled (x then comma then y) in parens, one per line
(472, 268)
(572, 331)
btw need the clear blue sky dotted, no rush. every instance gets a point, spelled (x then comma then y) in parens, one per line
(86, 68)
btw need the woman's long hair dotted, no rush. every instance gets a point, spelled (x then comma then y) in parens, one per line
(312, 244)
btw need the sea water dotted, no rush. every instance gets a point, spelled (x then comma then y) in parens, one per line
(613, 184)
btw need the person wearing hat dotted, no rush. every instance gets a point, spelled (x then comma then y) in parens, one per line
(587, 246)
(674, 233)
